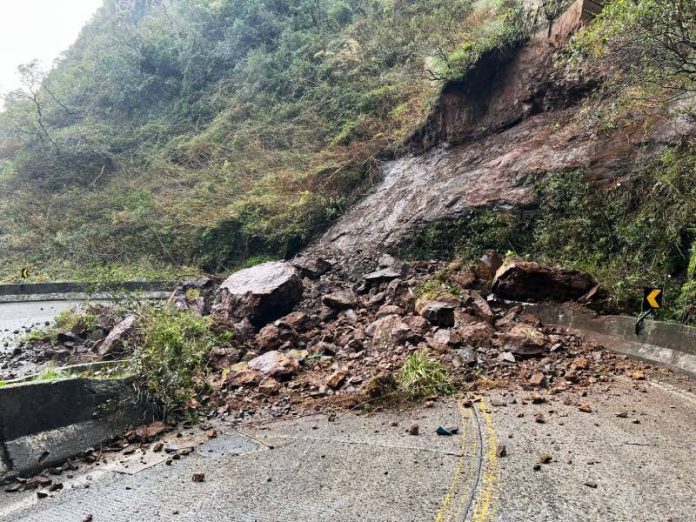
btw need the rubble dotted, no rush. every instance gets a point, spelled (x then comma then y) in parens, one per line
(335, 342)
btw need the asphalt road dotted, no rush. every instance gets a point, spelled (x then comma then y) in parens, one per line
(17, 316)
(604, 466)
(630, 458)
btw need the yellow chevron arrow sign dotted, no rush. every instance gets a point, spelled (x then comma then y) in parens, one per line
(25, 273)
(652, 298)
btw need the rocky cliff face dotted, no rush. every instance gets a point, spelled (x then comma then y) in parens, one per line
(511, 121)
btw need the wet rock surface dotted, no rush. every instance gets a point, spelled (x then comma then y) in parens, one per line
(260, 294)
(529, 281)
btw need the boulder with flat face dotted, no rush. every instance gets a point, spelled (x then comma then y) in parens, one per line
(529, 281)
(275, 364)
(261, 293)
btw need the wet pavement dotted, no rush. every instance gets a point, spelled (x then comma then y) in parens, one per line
(629, 458)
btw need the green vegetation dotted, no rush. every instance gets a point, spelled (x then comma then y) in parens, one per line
(422, 376)
(182, 134)
(629, 236)
(642, 42)
(171, 357)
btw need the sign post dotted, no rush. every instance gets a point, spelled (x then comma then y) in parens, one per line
(652, 300)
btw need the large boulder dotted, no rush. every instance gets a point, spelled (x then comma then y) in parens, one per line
(275, 364)
(529, 281)
(438, 313)
(115, 343)
(262, 293)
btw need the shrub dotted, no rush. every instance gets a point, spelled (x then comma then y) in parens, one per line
(171, 359)
(422, 375)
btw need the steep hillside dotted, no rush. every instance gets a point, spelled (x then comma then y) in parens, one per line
(205, 133)
(182, 136)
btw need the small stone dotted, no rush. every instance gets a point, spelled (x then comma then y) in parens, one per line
(585, 406)
(198, 477)
(537, 379)
(413, 429)
(622, 414)
(592, 485)
(501, 451)
(539, 417)
(545, 458)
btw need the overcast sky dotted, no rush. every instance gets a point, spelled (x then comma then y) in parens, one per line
(38, 29)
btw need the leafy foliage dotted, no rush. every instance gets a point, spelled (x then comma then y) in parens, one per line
(205, 133)
(171, 357)
(422, 375)
(644, 41)
(632, 235)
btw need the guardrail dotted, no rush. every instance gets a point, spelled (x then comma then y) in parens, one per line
(70, 290)
(671, 344)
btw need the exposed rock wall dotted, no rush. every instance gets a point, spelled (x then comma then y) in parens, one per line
(510, 122)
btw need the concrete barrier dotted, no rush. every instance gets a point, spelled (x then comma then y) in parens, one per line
(68, 291)
(673, 345)
(44, 423)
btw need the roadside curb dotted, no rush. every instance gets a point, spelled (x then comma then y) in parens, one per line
(67, 291)
(670, 344)
(45, 423)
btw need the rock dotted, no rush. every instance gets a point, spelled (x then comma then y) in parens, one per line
(524, 340)
(312, 267)
(413, 429)
(67, 337)
(299, 321)
(476, 334)
(269, 386)
(637, 375)
(336, 379)
(272, 336)
(220, 358)
(488, 265)
(150, 431)
(198, 477)
(194, 294)
(592, 485)
(327, 314)
(507, 357)
(386, 261)
(501, 451)
(246, 377)
(383, 275)
(261, 293)
(529, 281)
(537, 379)
(437, 312)
(389, 310)
(482, 310)
(539, 417)
(585, 407)
(388, 330)
(341, 300)
(275, 364)
(418, 324)
(545, 458)
(324, 348)
(447, 337)
(115, 341)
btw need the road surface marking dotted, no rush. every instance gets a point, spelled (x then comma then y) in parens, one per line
(484, 505)
(456, 476)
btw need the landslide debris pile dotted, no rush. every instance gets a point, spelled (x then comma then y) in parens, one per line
(308, 335)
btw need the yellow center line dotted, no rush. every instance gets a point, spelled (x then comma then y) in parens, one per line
(456, 476)
(484, 506)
